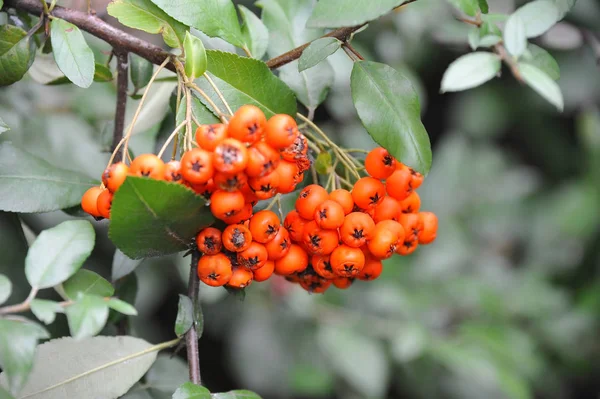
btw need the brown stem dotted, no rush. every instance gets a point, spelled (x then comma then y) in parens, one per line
(90, 23)
(122, 80)
(191, 337)
(509, 61)
(348, 46)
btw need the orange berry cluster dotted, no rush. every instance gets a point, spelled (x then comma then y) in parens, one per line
(345, 235)
(235, 165)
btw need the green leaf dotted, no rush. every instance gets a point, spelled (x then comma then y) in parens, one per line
(216, 18)
(563, 7)
(323, 163)
(87, 316)
(143, 15)
(140, 70)
(538, 16)
(542, 84)
(126, 291)
(247, 81)
(88, 283)
(541, 59)
(40, 187)
(122, 265)
(388, 107)
(190, 390)
(122, 307)
(338, 13)
(473, 37)
(152, 218)
(285, 21)
(14, 250)
(102, 73)
(18, 340)
(16, 54)
(470, 71)
(255, 33)
(469, 7)
(237, 394)
(364, 368)
(514, 35)
(167, 374)
(3, 392)
(3, 126)
(317, 51)
(72, 54)
(195, 56)
(45, 310)
(185, 315)
(106, 365)
(58, 253)
(483, 6)
(5, 288)
(489, 40)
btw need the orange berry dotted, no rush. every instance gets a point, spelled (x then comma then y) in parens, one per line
(322, 266)
(280, 245)
(236, 237)
(309, 199)
(230, 182)
(240, 278)
(241, 216)
(281, 131)
(384, 242)
(294, 224)
(209, 241)
(344, 198)
(379, 163)
(264, 272)
(295, 261)
(173, 172)
(347, 261)
(398, 185)
(368, 192)
(319, 241)
(357, 228)
(411, 204)
(265, 187)
(388, 209)
(329, 215)
(407, 247)
(89, 201)
(289, 176)
(430, 225)
(342, 282)
(114, 176)
(262, 159)
(210, 136)
(247, 124)
(231, 156)
(214, 270)
(197, 166)
(224, 204)
(297, 150)
(253, 257)
(412, 225)
(264, 226)
(372, 270)
(148, 165)
(104, 203)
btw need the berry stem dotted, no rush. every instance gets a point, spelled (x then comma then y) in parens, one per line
(191, 337)
(166, 144)
(20, 307)
(216, 89)
(188, 118)
(195, 87)
(139, 108)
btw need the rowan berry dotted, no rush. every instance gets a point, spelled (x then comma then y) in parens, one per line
(379, 163)
(347, 261)
(384, 242)
(388, 209)
(315, 285)
(368, 192)
(322, 266)
(240, 278)
(344, 198)
(342, 282)
(416, 178)
(204, 189)
(309, 199)
(398, 185)
(173, 172)
(281, 131)
(197, 166)
(265, 187)
(297, 150)
(294, 224)
(253, 257)
(319, 241)
(394, 226)
(209, 137)
(412, 224)
(209, 241)
(224, 204)
(241, 216)
(114, 176)
(148, 165)
(280, 245)
(329, 215)
(262, 159)
(236, 237)
(214, 270)
(231, 156)
(289, 176)
(89, 201)
(230, 182)
(264, 226)
(357, 228)
(430, 225)
(247, 124)
(407, 247)
(104, 203)
(264, 272)
(411, 204)
(295, 261)
(372, 270)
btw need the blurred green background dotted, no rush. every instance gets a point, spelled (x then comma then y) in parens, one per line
(506, 302)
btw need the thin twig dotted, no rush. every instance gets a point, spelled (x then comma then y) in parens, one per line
(208, 100)
(216, 89)
(188, 118)
(20, 307)
(348, 46)
(122, 79)
(171, 136)
(191, 337)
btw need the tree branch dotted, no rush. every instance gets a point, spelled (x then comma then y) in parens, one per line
(191, 337)
(122, 80)
(117, 38)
